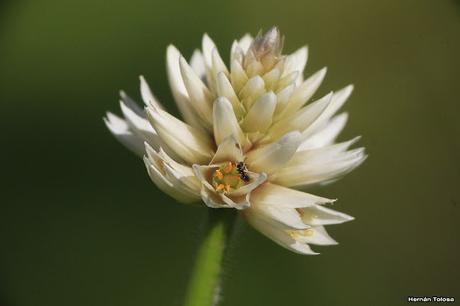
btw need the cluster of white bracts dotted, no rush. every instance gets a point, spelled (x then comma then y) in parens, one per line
(256, 112)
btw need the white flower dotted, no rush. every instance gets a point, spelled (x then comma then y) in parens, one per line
(248, 138)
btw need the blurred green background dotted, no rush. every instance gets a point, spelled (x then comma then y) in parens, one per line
(81, 223)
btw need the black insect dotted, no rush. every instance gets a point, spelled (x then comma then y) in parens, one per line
(242, 170)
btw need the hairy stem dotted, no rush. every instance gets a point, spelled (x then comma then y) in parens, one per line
(204, 285)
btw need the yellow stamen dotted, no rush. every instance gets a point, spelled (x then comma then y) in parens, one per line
(227, 178)
(228, 168)
(218, 174)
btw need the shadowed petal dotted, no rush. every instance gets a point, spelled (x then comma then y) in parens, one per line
(120, 129)
(228, 150)
(300, 120)
(147, 94)
(277, 232)
(326, 134)
(191, 144)
(225, 123)
(273, 156)
(259, 117)
(320, 165)
(320, 215)
(271, 194)
(178, 88)
(296, 62)
(199, 95)
(159, 179)
(303, 93)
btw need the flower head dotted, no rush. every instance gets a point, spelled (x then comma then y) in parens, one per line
(249, 138)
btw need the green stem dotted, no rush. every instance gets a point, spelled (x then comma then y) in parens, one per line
(203, 287)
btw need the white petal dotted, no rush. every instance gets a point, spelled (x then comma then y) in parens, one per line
(202, 173)
(254, 68)
(181, 177)
(316, 235)
(271, 157)
(140, 126)
(319, 165)
(241, 203)
(256, 180)
(296, 62)
(212, 199)
(337, 101)
(120, 129)
(288, 80)
(197, 64)
(276, 232)
(228, 150)
(320, 215)
(283, 97)
(303, 93)
(287, 216)
(253, 89)
(208, 46)
(238, 76)
(132, 104)
(191, 144)
(225, 123)
(164, 184)
(271, 78)
(147, 95)
(217, 200)
(225, 89)
(218, 64)
(199, 94)
(178, 88)
(174, 75)
(245, 42)
(236, 53)
(325, 135)
(259, 117)
(300, 120)
(271, 194)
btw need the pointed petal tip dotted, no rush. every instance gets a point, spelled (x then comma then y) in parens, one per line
(322, 72)
(172, 50)
(172, 54)
(182, 61)
(271, 94)
(207, 43)
(151, 109)
(170, 46)
(303, 249)
(333, 242)
(222, 102)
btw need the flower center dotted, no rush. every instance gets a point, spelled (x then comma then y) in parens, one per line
(230, 176)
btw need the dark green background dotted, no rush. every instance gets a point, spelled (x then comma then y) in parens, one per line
(81, 223)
